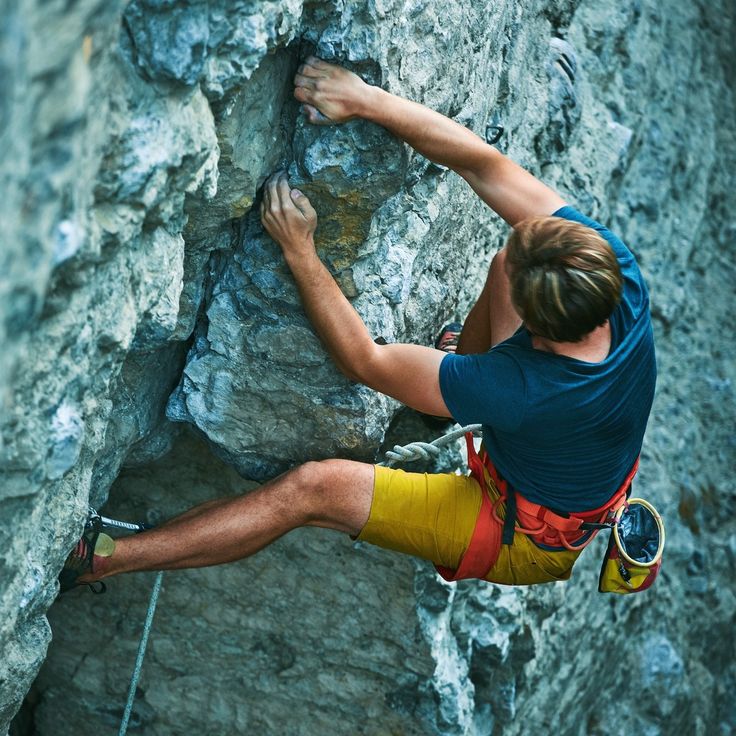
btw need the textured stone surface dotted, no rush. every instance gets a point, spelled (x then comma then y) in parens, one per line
(138, 292)
(297, 633)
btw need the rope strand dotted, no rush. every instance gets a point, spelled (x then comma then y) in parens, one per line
(427, 450)
(141, 653)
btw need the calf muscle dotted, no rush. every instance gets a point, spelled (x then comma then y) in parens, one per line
(333, 494)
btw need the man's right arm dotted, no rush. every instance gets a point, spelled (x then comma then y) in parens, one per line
(504, 186)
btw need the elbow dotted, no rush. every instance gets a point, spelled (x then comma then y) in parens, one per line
(347, 369)
(483, 165)
(364, 365)
(350, 374)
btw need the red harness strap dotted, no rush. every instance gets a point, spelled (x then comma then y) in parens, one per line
(485, 544)
(542, 524)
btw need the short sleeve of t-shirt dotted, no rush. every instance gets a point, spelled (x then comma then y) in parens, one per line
(485, 389)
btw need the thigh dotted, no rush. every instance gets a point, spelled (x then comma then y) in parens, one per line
(493, 317)
(427, 515)
(523, 563)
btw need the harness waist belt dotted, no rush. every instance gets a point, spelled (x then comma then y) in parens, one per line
(546, 527)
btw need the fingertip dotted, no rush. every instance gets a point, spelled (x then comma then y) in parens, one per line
(295, 194)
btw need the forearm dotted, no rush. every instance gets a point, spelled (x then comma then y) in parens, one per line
(435, 136)
(339, 326)
(409, 373)
(333, 94)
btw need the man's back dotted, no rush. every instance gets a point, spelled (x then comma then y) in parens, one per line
(562, 431)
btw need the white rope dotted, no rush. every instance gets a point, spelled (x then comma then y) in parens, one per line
(141, 654)
(427, 450)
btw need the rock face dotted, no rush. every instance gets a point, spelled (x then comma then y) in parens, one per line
(140, 297)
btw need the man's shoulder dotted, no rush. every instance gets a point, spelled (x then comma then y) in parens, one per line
(568, 212)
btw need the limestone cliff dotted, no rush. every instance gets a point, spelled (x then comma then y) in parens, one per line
(147, 321)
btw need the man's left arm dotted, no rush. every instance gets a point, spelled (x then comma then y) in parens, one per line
(409, 373)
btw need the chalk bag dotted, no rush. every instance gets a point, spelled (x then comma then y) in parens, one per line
(634, 553)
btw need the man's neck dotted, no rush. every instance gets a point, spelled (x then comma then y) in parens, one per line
(593, 348)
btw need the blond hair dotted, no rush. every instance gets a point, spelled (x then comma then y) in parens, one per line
(565, 279)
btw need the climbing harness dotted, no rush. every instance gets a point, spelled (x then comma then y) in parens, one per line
(635, 520)
(546, 527)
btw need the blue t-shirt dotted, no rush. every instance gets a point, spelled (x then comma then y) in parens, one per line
(563, 432)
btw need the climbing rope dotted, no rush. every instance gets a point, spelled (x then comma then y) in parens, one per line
(153, 600)
(399, 454)
(427, 450)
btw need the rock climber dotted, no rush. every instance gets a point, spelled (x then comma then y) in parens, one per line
(555, 360)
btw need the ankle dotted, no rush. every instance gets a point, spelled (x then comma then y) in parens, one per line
(101, 559)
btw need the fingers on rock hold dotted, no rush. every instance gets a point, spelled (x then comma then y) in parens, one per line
(308, 70)
(302, 81)
(301, 94)
(283, 191)
(315, 116)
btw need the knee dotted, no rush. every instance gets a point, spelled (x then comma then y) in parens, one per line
(313, 482)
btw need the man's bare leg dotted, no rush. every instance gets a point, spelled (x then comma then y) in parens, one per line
(334, 494)
(493, 317)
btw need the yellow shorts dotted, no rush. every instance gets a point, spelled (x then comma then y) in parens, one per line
(432, 516)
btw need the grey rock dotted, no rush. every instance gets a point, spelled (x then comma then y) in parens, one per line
(140, 298)
(662, 673)
(169, 41)
(564, 107)
(67, 433)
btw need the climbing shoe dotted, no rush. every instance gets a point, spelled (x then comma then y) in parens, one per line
(81, 560)
(449, 337)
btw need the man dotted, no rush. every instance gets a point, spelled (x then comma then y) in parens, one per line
(556, 359)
